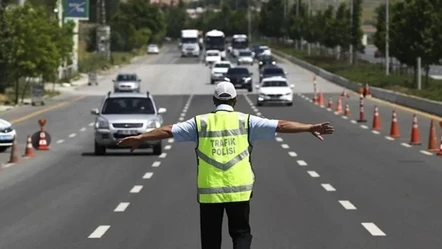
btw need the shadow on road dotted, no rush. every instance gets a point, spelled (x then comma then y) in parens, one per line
(119, 154)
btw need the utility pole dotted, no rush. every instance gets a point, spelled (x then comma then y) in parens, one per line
(103, 30)
(309, 14)
(249, 20)
(351, 32)
(387, 27)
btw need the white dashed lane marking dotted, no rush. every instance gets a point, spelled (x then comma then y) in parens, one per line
(60, 141)
(121, 207)
(353, 122)
(136, 189)
(171, 140)
(301, 163)
(91, 124)
(83, 129)
(181, 119)
(347, 205)
(389, 138)
(163, 155)
(364, 127)
(183, 114)
(99, 232)
(167, 147)
(156, 164)
(258, 114)
(406, 145)
(313, 174)
(328, 187)
(375, 132)
(285, 146)
(292, 154)
(373, 229)
(278, 139)
(148, 175)
(72, 135)
(426, 153)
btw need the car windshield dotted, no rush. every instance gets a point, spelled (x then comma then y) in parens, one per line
(273, 71)
(153, 46)
(276, 83)
(238, 71)
(128, 106)
(212, 54)
(222, 65)
(267, 58)
(126, 77)
(246, 54)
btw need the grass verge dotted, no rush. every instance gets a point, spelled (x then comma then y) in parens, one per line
(372, 74)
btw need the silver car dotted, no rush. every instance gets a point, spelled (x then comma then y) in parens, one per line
(127, 82)
(126, 114)
(245, 57)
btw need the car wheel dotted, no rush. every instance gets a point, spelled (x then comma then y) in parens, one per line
(3, 149)
(290, 104)
(212, 82)
(249, 89)
(258, 103)
(158, 149)
(99, 149)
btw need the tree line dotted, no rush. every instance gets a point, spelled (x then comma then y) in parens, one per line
(32, 44)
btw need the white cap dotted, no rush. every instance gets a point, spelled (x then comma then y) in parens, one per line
(225, 88)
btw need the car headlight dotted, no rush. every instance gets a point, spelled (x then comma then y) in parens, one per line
(260, 63)
(262, 95)
(153, 124)
(102, 123)
(288, 94)
(247, 79)
(7, 129)
(273, 62)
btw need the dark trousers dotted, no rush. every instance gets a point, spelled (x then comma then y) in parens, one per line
(211, 220)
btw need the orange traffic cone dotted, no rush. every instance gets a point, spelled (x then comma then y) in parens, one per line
(376, 119)
(330, 104)
(432, 140)
(339, 106)
(42, 143)
(321, 99)
(394, 130)
(440, 147)
(13, 158)
(315, 98)
(415, 137)
(29, 151)
(347, 110)
(361, 110)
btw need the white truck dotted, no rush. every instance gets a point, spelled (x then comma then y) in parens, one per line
(189, 42)
(215, 40)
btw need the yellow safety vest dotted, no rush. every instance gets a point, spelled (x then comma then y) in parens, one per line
(225, 173)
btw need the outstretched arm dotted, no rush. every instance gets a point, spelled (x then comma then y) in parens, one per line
(285, 126)
(157, 134)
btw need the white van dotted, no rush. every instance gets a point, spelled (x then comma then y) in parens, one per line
(212, 56)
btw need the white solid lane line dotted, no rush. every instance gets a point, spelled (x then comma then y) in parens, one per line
(156, 164)
(136, 189)
(72, 135)
(148, 175)
(83, 129)
(292, 154)
(163, 155)
(285, 146)
(328, 187)
(167, 147)
(60, 141)
(121, 207)
(347, 205)
(99, 232)
(301, 163)
(313, 174)
(171, 140)
(406, 145)
(426, 153)
(373, 229)
(278, 139)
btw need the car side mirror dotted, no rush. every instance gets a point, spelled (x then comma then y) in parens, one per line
(113, 81)
(94, 111)
(257, 86)
(251, 73)
(162, 110)
(292, 86)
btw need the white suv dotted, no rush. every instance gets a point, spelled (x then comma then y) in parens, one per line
(219, 71)
(275, 90)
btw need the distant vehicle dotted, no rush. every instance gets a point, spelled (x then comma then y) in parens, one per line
(7, 134)
(275, 90)
(263, 50)
(219, 71)
(153, 49)
(127, 82)
(240, 77)
(245, 57)
(254, 49)
(265, 60)
(190, 42)
(126, 114)
(215, 40)
(212, 56)
(271, 71)
(239, 42)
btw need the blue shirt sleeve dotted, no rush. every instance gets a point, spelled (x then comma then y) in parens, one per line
(262, 128)
(185, 131)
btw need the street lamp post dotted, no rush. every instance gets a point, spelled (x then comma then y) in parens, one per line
(387, 52)
(249, 17)
(351, 32)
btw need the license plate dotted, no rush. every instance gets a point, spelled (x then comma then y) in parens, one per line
(5, 137)
(238, 85)
(127, 132)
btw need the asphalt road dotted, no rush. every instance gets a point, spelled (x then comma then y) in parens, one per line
(354, 190)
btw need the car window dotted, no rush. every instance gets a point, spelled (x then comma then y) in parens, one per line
(245, 53)
(267, 58)
(126, 77)
(212, 54)
(128, 106)
(276, 83)
(273, 71)
(222, 65)
(238, 71)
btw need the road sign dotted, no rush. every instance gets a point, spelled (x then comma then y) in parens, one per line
(76, 9)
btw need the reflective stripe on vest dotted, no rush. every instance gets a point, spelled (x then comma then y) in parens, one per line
(224, 170)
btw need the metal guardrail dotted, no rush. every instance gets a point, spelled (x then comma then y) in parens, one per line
(421, 104)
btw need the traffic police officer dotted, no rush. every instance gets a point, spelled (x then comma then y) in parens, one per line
(224, 141)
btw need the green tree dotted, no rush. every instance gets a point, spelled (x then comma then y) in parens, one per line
(5, 44)
(379, 36)
(176, 20)
(330, 37)
(272, 19)
(342, 25)
(356, 31)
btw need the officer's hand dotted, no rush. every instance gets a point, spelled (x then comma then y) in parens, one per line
(133, 142)
(322, 129)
